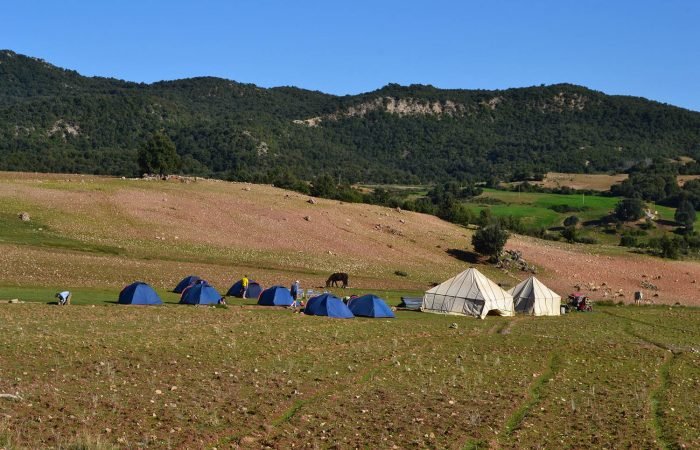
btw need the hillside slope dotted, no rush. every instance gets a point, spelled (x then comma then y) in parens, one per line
(106, 232)
(53, 119)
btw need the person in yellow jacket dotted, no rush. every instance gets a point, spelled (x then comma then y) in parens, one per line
(244, 285)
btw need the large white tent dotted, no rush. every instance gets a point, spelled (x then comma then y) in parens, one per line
(469, 293)
(533, 297)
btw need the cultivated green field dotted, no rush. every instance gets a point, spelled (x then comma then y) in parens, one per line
(110, 376)
(534, 209)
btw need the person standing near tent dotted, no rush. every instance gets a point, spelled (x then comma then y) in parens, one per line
(294, 290)
(244, 285)
(64, 297)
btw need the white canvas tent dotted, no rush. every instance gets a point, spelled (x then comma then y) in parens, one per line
(469, 293)
(533, 297)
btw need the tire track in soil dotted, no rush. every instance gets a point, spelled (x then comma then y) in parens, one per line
(658, 395)
(655, 325)
(507, 328)
(658, 398)
(535, 396)
(361, 378)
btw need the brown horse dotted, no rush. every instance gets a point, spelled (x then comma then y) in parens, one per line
(335, 278)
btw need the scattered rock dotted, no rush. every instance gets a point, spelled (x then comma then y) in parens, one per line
(307, 218)
(246, 188)
(311, 201)
(24, 217)
(513, 259)
(248, 440)
(454, 325)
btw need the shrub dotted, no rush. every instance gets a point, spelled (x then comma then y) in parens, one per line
(648, 224)
(563, 209)
(586, 240)
(490, 240)
(629, 209)
(571, 221)
(400, 273)
(570, 234)
(628, 241)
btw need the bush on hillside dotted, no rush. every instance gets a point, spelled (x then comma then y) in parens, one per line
(490, 240)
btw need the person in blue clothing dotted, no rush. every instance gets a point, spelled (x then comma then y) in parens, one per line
(294, 290)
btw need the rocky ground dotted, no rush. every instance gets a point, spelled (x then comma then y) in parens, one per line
(611, 277)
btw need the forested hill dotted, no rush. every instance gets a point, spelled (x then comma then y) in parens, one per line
(56, 120)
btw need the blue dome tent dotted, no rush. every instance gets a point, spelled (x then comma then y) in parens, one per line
(275, 296)
(201, 293)
(254, 290)
(370, 306)
(185, 283)
(327, 305)
(139, 293)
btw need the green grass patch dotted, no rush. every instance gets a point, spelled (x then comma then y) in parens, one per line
(38, 234)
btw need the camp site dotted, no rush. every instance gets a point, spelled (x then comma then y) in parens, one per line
(349, 225)
(426, 347)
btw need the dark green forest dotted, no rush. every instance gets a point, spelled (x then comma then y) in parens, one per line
(56, 120)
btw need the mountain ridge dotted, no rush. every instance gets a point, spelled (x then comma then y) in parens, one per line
(415, 133)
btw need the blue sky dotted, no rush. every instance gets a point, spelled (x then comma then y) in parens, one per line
(643, 48)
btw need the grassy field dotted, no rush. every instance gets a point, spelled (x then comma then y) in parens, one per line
(535, 210)
(97, 375)
(174, 376)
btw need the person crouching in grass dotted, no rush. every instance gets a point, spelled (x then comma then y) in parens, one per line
(64, 298)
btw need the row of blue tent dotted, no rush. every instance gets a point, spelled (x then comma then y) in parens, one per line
(254, 288)
(198, 292)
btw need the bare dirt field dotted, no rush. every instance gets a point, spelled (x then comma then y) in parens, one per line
(106, 232)
(596, 182)
(609, 276)
(682, 179)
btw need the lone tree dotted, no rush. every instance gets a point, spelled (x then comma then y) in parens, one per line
(490, 241)
(685, 214)
(571, 221)
(629, 209)
(570, 233)
(158, 155)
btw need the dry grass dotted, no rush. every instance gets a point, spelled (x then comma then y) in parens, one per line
(103, 376)
(596, 182)
(175, 376)
(96, 232)
(161, 230)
